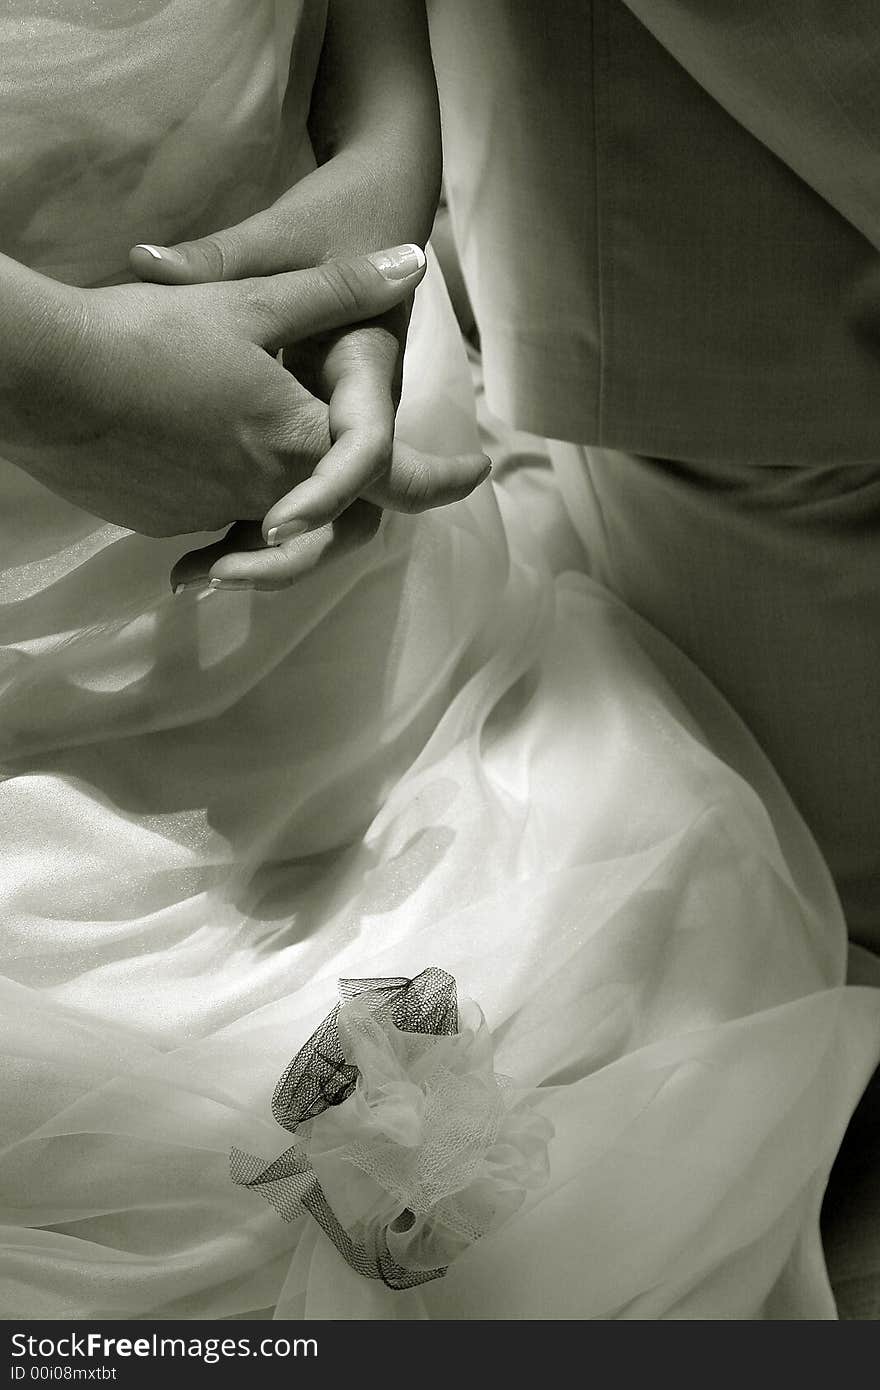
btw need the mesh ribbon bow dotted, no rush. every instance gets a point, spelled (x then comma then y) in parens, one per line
(408, 1145)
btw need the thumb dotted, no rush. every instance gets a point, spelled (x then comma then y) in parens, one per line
(275, 310)
(253, 247)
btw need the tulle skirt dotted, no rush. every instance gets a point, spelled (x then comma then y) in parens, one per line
(435, 752)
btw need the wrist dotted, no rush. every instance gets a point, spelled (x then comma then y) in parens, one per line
(364, 198)
(41, 324)
(44, 361)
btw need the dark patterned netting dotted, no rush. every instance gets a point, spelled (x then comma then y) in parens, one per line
(319, 1076)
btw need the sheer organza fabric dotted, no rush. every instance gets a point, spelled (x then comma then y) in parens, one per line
(433, 752)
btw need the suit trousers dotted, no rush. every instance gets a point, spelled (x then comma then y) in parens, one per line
(769, 579)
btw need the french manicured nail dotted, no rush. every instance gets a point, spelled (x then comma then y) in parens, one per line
(400, 262)
(160, 253)
(286, 531)
(230, 584)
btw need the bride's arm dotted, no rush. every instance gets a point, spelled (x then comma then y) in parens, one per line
(164, 410)
(39, 323)
(375, 129)
(375, 118)
(374, 124)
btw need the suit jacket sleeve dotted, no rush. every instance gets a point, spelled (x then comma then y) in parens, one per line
(803, 76)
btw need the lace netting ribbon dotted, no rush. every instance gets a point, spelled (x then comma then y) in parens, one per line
(320, 1076)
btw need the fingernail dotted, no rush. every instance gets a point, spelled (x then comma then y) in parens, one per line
(286, 531)
(230, 584)
(159, 253)
(400, 262)
(188, 584)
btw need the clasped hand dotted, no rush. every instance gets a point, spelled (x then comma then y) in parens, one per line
(164, 409)
(347, 382)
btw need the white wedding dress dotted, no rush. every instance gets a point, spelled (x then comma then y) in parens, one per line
(433, 753)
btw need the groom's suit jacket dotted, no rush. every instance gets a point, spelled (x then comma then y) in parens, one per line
(669, 217)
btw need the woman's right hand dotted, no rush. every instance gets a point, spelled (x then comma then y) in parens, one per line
(164, 409)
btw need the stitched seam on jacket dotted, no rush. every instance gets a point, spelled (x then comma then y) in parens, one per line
(600, 285)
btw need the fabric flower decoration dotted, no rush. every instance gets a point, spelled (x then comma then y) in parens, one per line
(409, 1147)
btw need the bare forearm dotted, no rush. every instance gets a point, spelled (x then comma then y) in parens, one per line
(39, 327)
(375, 127)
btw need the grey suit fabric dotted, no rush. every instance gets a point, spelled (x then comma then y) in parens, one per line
(769, 579)
(669, 217)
